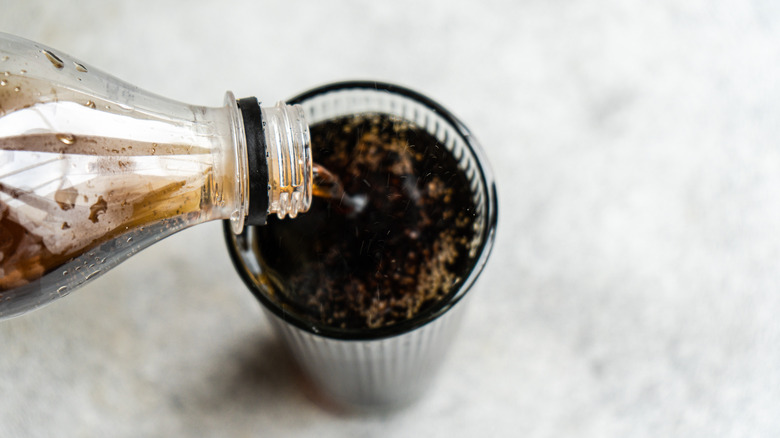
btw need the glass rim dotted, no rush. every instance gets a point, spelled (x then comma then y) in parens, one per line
(446, 303)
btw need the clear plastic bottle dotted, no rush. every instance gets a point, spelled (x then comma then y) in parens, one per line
(92, 170)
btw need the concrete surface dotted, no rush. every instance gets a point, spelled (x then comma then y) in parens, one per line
(633, 290)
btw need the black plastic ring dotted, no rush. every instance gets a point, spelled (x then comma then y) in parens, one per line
(256, 161)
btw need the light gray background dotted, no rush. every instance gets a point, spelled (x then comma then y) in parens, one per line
(633, 287)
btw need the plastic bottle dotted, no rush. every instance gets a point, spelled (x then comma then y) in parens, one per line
(93, 170)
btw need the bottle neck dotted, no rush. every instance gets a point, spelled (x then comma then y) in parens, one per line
(278, 165)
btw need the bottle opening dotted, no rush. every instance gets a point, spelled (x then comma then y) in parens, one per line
(288, 154)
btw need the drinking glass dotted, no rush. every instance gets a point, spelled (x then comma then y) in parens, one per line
(387, 367)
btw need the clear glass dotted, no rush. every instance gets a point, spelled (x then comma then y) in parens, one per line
(93, 169)
(381, 368)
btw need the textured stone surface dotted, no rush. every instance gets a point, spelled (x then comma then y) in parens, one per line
(633, 287)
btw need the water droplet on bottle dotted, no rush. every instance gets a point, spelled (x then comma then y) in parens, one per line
(124, 107)
(5, 58)
(129, 239)
(80, 67)
(90, 104)
(62, 289)
(66, 138)
(6, 73)
(23, 71)
(91, 275)
(3, 83)
(65, 272)
(17, 89)
(54, 59)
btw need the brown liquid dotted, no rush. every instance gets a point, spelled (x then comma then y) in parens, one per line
(328, 186)
(46, 220)
(405, 250)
